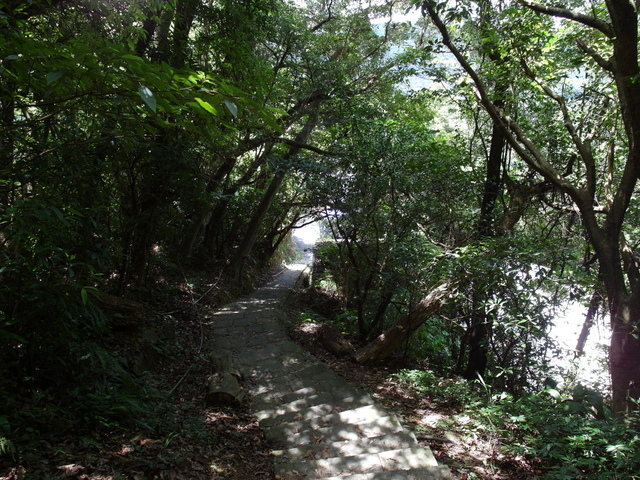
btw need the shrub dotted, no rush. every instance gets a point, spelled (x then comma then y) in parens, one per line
(571, 435)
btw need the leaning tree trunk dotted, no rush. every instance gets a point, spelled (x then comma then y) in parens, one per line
(592, 312)
(244, 250)
(384, 345)
(255, 224)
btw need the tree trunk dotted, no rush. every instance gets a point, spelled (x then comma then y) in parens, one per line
(334, 342)
(8, 93)
(594, 304)
(224, 387)
(481, 325)
(383, 305)
(621, 282)
(244, 250)
(204, 215)
(478, 341)
(624, 354)
(493, 182)
(149, 28)
(121, 312)
(224, 390)
(384, 345)
(184, 15)
(520, 195)
(142, 239)
(213, 239)
(222, 362)
(255, 223)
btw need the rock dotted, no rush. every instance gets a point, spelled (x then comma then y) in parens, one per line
(331, 339)
(224, 390)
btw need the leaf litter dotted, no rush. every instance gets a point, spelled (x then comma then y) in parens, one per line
(180, 437)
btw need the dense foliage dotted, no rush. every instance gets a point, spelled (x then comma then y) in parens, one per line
(565, 436)
(135, 139)
(139, 136)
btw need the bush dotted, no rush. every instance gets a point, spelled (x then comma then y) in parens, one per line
(570, 436)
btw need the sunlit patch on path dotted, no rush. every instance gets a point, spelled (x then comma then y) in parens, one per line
(321, 427)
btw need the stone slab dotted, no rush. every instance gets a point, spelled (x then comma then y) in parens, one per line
(394, 460)
(326, 427)
(396, 441)
(292, 435)
(428, 473)
(324, 415)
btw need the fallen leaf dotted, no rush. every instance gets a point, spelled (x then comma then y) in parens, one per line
(71, 470)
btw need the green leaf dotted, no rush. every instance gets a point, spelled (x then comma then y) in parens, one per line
(553, 393)
(132, 57)
(60, 216)
(6, 335)
(85, 296)
(278, 111)
(207, 106)
(148, 97)
(270, 121)
(232, 107)
(54, 76)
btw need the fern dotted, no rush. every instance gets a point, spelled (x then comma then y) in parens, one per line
(7, 447)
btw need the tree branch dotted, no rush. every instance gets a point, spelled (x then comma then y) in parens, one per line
(522, 145)
(527, 149)
(33, 9)
(583, 147)
(326, 20)
(304, 146)
(604, 64)
(592, 312)
(588, 20)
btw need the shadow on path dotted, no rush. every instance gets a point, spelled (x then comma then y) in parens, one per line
(320, 426)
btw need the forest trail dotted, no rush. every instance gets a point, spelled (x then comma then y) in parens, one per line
(320, 426)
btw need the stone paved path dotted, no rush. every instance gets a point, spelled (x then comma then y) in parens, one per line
(320, 426)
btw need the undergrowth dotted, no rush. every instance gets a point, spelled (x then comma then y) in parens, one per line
(569, 434)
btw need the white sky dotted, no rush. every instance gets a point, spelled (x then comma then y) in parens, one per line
(399, 14)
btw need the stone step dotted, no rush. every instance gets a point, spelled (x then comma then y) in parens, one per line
(285, 370)
(276, 370)
(327, 428)
(325, 415)
(390, 460)
(270, 394)
(293, 403)
(310, 407)
(425, 473)
(273, 369)
(302, 370)
(392, 441)
(292, 412)
(296, 434)
(258, 355)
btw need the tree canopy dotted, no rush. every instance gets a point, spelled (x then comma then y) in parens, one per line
(459, 214)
